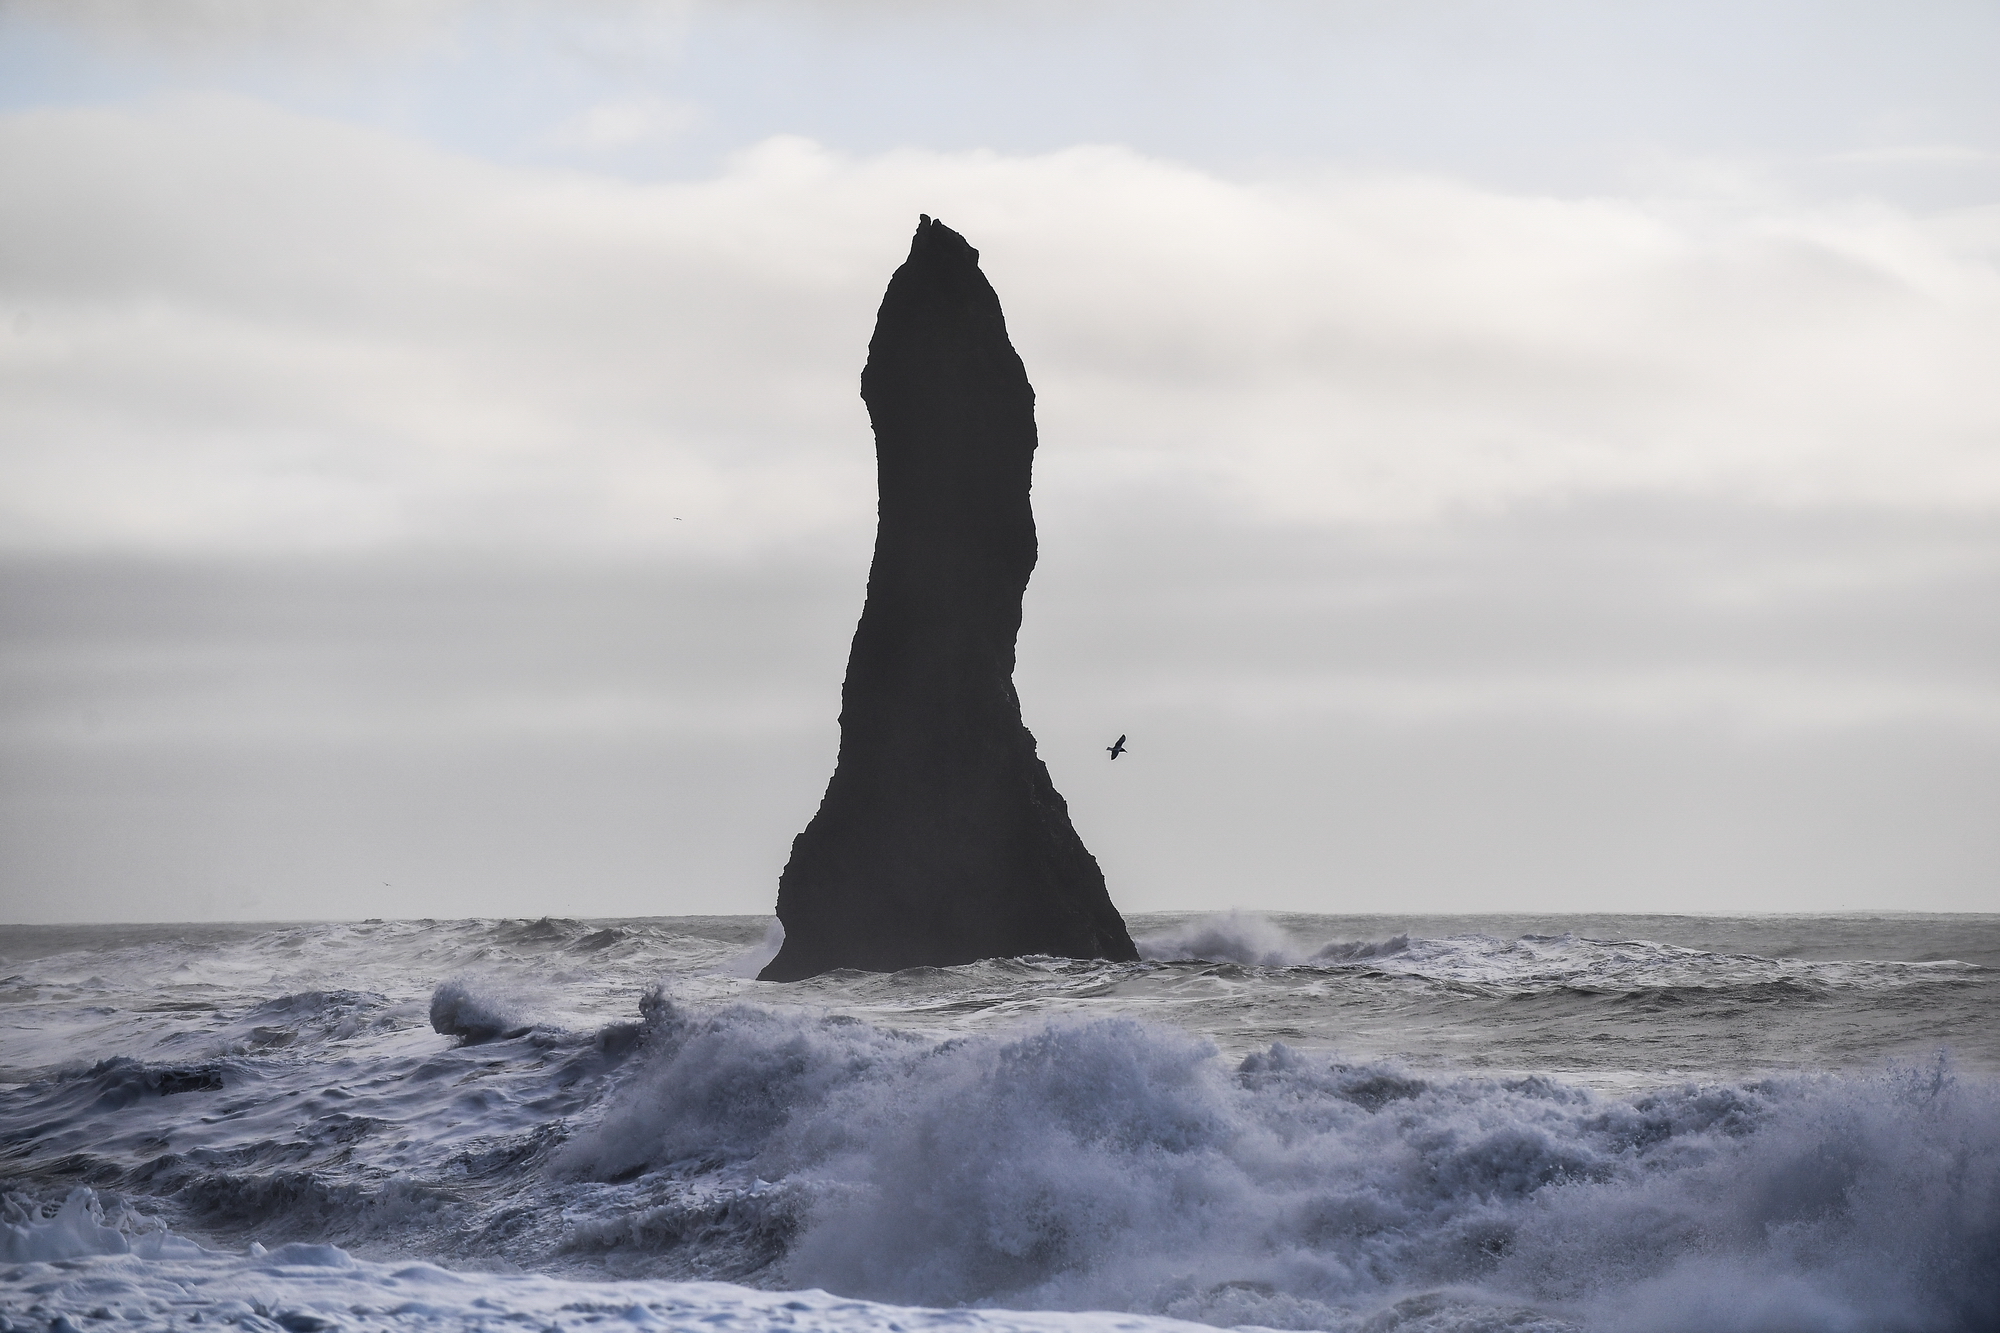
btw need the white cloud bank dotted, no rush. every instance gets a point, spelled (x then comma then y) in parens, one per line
(227, 327)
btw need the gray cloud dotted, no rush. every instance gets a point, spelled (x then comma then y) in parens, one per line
(322, 737)
(1688, 706)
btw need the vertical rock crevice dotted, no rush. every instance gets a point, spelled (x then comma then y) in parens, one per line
(941, 839)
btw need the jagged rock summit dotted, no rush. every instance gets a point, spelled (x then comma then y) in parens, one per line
(941, 839)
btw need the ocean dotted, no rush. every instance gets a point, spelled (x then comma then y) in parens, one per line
(1300, 1122)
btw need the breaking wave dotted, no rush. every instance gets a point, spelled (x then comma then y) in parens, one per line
(478, 1012)
(1255, 941)
(1175, 1137)
(1112, 1164)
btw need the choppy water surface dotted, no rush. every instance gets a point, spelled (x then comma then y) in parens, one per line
(1295, 1121)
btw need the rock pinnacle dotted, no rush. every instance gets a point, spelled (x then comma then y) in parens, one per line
(941, 839)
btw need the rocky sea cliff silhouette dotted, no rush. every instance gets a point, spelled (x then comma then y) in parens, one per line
(941, 839)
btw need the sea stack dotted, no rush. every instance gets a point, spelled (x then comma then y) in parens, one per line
(941, 839)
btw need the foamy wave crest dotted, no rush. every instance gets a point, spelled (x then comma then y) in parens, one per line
(1254, 940)
(1114, 1165)
(78, 1229)
(477, 1011)
(321, 1287)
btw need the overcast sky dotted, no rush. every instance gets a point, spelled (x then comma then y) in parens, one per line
(1504, 455)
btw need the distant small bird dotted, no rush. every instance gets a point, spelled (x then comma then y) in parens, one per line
(1117, 749)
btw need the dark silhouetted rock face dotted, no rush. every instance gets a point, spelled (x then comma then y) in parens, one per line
(941, 839)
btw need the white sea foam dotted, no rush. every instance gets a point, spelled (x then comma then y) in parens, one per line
(1526, 964)
(1111, 1164)
(1260, 1128)
(71, 1272)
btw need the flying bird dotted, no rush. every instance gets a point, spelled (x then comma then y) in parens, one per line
(1117, 749)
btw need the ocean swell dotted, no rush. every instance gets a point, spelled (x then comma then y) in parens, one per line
(1221, 1133)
